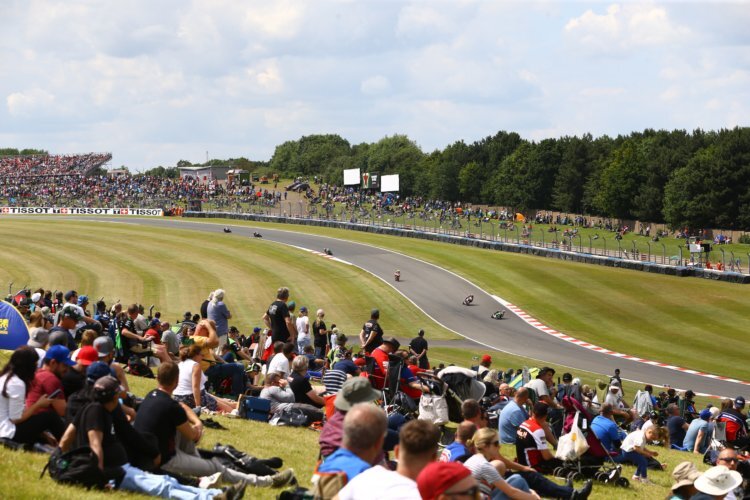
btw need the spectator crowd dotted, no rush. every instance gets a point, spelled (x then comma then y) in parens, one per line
(68, 390)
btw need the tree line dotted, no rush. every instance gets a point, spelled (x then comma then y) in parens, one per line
(698, 179)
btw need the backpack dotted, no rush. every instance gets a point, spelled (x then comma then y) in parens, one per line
(292, 417)
(137, 367)
(79, 466)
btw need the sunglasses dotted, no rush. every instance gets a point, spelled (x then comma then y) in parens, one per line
(472, 492)
(732, 460)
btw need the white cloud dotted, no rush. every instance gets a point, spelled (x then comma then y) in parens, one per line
(29, 101)
(158, 81)
(374, 85)
(626, 26)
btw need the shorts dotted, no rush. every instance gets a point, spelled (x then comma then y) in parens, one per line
(207, 401)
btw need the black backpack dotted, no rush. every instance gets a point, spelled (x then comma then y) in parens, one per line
(79, 467)
(137, 367)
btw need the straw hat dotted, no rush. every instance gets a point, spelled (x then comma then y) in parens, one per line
(684, 474)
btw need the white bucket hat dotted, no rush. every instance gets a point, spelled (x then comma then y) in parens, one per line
(718, 480)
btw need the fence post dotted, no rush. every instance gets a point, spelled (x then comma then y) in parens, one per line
(580, 243)
(680, 247)
(648, 244)
(723, 260)
(605, 246)
(542, 231)
(591, 244)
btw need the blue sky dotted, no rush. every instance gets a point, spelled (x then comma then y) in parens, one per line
(158, 81)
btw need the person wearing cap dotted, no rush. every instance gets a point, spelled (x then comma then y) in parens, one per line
(24, 424)
(338, 351)
(698, 433)
(95, 427)
(371, 335)
(446, 481)
(716, 483)
(418, 348)
(364, 432)
(79, 399)
(303, 329)
(153, 332)
(74, 379)
(736, 424)
(354, 391)
(690, 412)
(106, 349)
(484, 366)
(381, 354)
(684, 475)
(67, 319)
(38, 339)
(48, 379)
(417, 447)
(277, 318)
(235, 345)
(531, 442)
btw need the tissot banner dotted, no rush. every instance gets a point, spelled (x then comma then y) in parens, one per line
(148, 212)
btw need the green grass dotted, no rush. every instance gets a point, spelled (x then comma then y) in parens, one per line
(673, 320)
(176, 269)
(297, 447)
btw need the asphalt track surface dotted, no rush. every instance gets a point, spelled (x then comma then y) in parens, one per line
(439, 293)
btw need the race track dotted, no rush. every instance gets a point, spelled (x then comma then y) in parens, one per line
(439, 293)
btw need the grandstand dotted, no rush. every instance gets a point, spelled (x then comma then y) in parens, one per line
(52, 165)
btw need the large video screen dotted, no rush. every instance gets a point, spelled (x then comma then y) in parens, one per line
(389, 183)
(351, 176)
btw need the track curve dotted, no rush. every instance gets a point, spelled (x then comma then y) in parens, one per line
(439, 293)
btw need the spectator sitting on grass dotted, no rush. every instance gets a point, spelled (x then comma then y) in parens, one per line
(191, 388)
(48, 379)
(472, 412)
(354, 391)
(315, 363)
(178, 430)
(620, 408)
(676, 425)
(280, 363)
(106, 349)
(338, 352)
(364, 432)
(215, 368)
(684, 475)
(513, 415)
(299, 382)
(276, 390)
(233, 341)
(94, 427)
(446, 481)
(459, 450)
(699, 432)
(417, 447)
(20, 422)
(736, 423)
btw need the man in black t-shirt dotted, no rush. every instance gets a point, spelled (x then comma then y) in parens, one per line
(371, 336)
(418, 348)
(101, 426)
(178, 429)
(277, 318)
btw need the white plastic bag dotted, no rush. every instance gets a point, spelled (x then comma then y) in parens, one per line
(573, 444)
(433, 408)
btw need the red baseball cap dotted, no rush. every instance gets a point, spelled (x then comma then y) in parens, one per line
(360, 361)
(438, 477)
(486, 358)
(87, 355)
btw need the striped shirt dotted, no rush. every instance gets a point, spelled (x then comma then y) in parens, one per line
(333, 380)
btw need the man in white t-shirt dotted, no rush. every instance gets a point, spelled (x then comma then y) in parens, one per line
(418, 445)
(303, 330)
(280, 362)
(541, 385)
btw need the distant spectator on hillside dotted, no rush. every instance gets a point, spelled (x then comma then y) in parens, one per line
(371, 336)
(418, 348)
